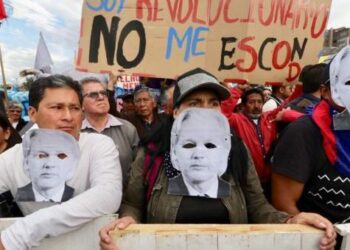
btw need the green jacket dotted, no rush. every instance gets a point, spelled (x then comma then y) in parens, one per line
(245, 204)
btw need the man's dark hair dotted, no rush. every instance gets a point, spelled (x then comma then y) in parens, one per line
(248, 92)
(14, 136)
(275, 88)
(312, 76)
(38, 87)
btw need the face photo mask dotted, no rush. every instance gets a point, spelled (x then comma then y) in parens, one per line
(340, 87)
(340, 78)
(50, 159)
(200, 147)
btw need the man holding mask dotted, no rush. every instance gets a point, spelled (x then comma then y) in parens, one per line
(50, 158)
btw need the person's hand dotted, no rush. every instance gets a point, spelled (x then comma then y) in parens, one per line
(1, 246)
(279, 116)
(106, 242)
(328, 240)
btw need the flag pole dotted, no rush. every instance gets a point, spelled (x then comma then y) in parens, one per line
(3, 76)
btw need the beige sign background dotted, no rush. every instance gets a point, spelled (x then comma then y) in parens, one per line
(262, 41)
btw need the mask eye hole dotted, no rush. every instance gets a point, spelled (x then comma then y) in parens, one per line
(62, 156)
(42, 155)
(347, 83)
(210, 145)
(189, 145)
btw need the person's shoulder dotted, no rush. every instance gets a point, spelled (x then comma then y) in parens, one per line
(304, 123)
(93, 139)
(164, 118)
(177, 185)
(303, 130)
(93, 144)
(13, 152)
(127, 124)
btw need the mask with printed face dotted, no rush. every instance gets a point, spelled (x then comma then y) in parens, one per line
(340, 78)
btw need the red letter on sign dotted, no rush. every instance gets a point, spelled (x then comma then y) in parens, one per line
(249, 49)
(140, 8)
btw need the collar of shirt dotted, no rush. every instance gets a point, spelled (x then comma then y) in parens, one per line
(112, 122)
(212, 192)
(56, 198)
(14, 124)
(311, 97)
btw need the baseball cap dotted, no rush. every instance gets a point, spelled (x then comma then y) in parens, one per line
(197, 79)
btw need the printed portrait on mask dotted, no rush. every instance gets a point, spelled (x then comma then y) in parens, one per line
(340, 78)
(340, 87)
(200, 146)
(50, 159)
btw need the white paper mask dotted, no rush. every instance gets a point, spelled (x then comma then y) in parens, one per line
(50, 159)
(340, 78)
(200, 145)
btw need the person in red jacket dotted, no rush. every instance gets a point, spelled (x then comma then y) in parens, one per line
(254, 127)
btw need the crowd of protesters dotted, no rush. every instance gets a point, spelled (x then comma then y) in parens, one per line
(287, 160)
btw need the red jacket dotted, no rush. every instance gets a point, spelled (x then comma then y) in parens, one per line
(249, 132)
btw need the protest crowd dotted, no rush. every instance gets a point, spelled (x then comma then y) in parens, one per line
(280, 174)
(247, 152)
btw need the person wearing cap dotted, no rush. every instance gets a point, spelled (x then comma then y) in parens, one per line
(146, 198)
(311, 166)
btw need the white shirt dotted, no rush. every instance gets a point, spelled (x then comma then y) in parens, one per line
(55, 198)
(97, 184)
(14, 125)
(111, 122)
(212, 192)
(269, 105)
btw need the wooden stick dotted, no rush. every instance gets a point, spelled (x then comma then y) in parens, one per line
(3, 76)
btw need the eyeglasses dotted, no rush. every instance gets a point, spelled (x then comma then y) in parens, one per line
(96, 94)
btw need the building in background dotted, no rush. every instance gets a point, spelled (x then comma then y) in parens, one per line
(334, 41)
(339, 37)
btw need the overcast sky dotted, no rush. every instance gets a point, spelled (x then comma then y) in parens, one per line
(59, 21)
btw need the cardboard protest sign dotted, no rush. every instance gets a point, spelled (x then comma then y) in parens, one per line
(49, 160)
(126, 84)
(199, 150)
(259, 41)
